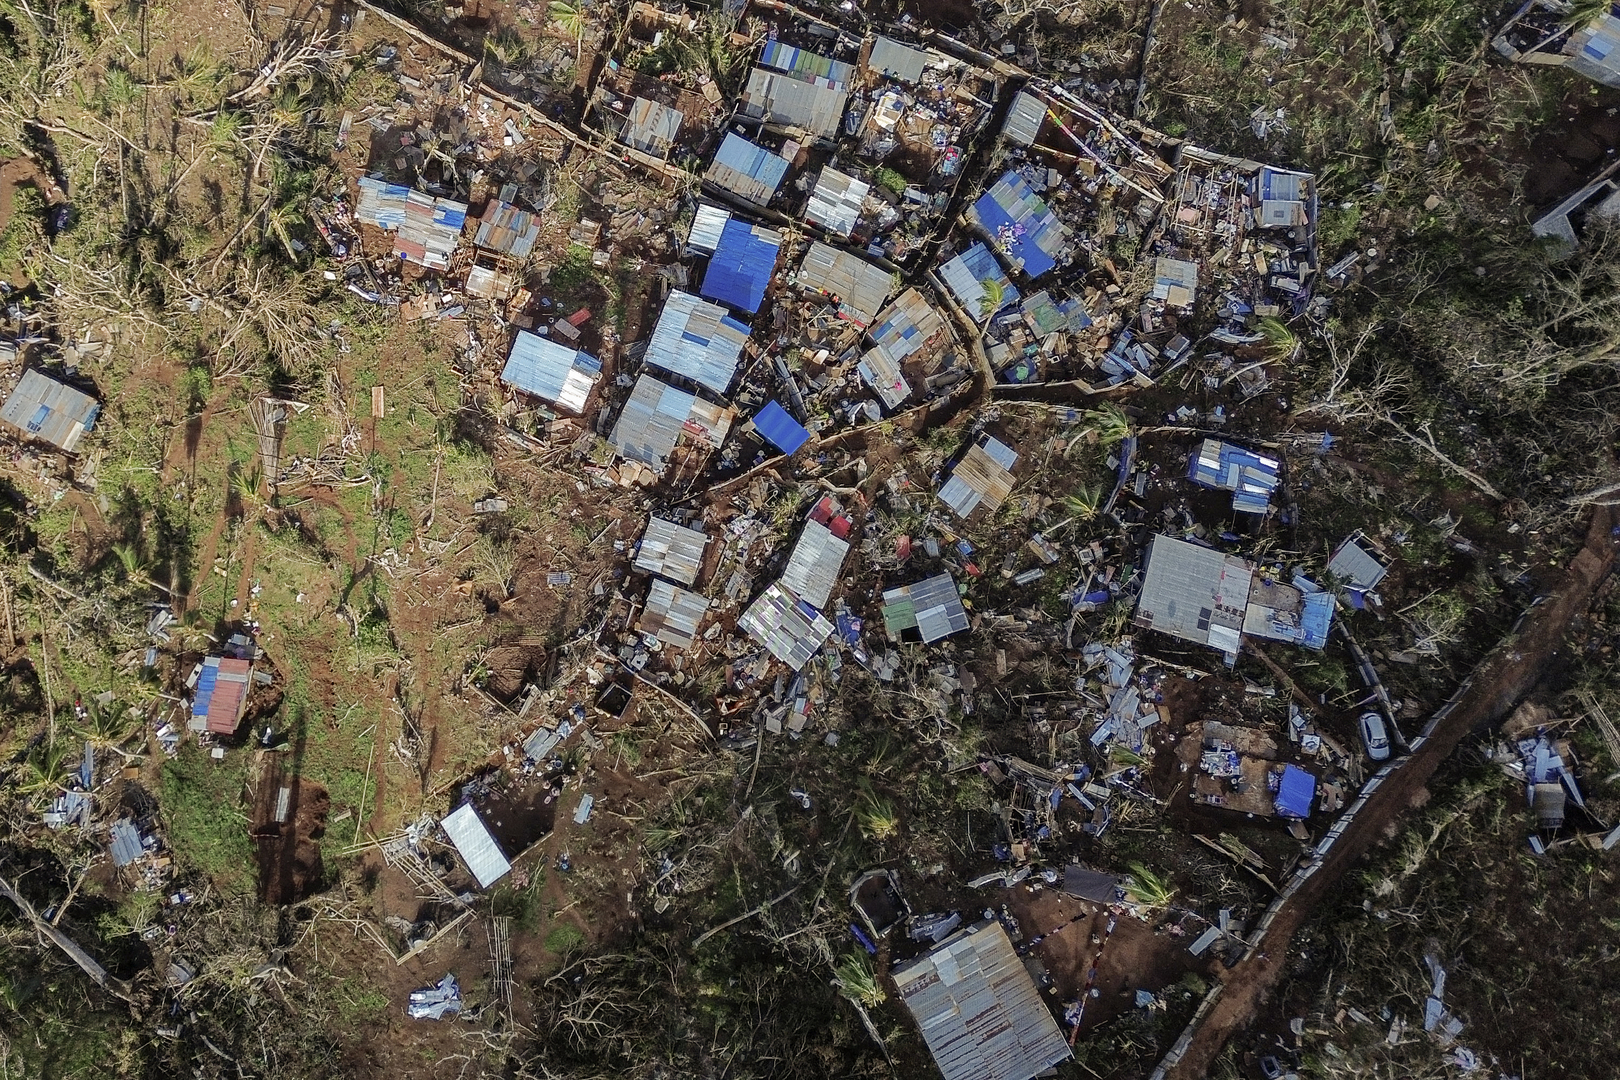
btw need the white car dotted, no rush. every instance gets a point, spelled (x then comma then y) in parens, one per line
(1374, 734)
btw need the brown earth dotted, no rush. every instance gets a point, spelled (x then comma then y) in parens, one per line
(1500, 681)
(289, 851)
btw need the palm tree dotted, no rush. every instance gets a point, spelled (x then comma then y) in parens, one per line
(1583, 13)
(45, 770)
(877, 818)
(1085, 502)
(991, 301)
(1148, 888)
(1108, 423)
(1281, 341)
(571, 18)
(857, 981)
(108, 725)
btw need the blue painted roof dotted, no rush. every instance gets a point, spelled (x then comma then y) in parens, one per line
(742, 265)
(1296, 792)
(205, 686)
(1025, 229)
(1316, 619)
(779, 429)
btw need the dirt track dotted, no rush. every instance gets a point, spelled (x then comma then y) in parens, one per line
(1506, 675)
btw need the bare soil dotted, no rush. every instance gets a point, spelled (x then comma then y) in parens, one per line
(289, 851)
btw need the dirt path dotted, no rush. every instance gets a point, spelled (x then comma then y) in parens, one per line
(1506, 675)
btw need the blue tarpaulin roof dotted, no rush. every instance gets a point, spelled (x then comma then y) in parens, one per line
(1316, 619)
(742, 265)
(779, 429)
(1296, 793)
(1025, 229)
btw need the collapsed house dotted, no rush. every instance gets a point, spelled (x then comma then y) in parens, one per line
(1250, 476)
(426, 228)
(904, 334)
(979, 1010)
(476, 845)
(931, 609)
(50, 410)
(1201, 595)
(1544, 32)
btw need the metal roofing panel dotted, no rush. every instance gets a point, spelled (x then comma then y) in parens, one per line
(651, 127)
(476, 846)
(1024, 119)
(779, 98)
(906, 325)
(708, 223)
(979, 1011)
(742, 264)
(897, 61)
(428, 228)
(551, 370)
(506, 229)
(1194, 593)
(966, 276)
(657, 415)
(933, 606)
(790, 629)
(697, 339)
(812, 569)
(50, 410)
(1356, 565)
(809, 66)
(673, 614)
(835, 203)
(859, 287)
(126, 843)
(745, 169)
(671, 550)
(228, 699)
(985, 471)
(1024, 228)
(880, 371)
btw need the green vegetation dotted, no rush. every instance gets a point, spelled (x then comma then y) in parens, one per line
(203, 812)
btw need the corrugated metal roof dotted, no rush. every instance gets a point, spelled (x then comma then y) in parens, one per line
(1357, 565)
(809, 66)
(742, 265)
(126, 843)
(880, 371)
(965, 276)
(551, 370)
(671, 550)
(1024, 228)
(1249, 476)
(657, 415)
(428, 228)
(220, 696)
(1044, 315)
(1175, 281)
(745, 169)
(979, 1011)
(983, 477)
(791, 630)
(673, 614)
(708, 223)
(780, 98)
(835, 204)
(697, 339)
(651, 127)
(508, 230)
(477, 847)
(897, 61)
(932, 606)
(859, 287)
(812, 569)
(1024, 119)
(906, 325)
(50, 410)
(1194, 593)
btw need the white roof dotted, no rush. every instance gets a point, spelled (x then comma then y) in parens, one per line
(475, 845)
(708, 222)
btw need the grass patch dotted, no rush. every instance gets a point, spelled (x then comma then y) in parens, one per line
(202, 807)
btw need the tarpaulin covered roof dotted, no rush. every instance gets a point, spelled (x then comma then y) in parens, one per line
(742, 264)
(897, 61)
(745, 169)
(697, 339)
(1251, 477)
(779, 429)
(965, 276)
(551, 370)
(859, 287)
(788, 627)
(221, 694)
(836, 202)
(1024, 228)
(1295, 792)
(671, 550)
(978, 1009)
(50, 410)
(476, 846)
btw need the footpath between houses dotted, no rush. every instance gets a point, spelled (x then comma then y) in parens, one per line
(1511, 670)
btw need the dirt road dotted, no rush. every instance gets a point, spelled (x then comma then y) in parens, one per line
(1506, 675)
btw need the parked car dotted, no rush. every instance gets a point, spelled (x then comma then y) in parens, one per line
(1375, 735)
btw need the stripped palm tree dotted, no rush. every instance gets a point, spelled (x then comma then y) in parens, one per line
(1147, 888)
